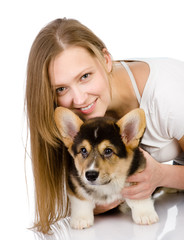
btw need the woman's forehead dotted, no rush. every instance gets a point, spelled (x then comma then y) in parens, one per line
(70, 63)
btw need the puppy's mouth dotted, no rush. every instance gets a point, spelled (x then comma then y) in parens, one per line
(97, 183)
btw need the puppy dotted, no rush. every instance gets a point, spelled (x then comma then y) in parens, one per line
(104, 153)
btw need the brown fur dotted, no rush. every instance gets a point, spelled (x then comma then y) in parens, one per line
(104, 152)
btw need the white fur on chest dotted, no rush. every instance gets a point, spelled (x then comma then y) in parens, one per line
(104, 194)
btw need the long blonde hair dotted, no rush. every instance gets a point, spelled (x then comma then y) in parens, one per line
(48, 154)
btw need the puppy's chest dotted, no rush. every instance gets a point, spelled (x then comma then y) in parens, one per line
(104, 194)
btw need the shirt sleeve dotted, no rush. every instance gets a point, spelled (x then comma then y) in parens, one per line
(172, 115)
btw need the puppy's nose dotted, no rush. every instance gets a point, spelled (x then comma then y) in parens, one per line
(92, 175)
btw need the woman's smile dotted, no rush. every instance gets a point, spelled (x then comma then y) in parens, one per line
(88, 109)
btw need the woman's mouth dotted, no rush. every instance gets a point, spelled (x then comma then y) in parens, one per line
(88, 109)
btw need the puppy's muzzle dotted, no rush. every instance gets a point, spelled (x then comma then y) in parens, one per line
(91, 175)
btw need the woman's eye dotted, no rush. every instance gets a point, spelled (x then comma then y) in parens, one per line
(60, 90)
(84, 152)
(86, 75)
(108, 152)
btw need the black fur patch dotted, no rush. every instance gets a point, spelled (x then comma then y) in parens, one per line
(107, 130)
(137, 162)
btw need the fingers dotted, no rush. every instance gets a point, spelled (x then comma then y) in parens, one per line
(138, 191)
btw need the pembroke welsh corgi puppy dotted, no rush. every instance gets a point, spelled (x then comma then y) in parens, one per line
(104, 153)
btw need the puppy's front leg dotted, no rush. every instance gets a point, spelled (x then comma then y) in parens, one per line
(81, 213)
(143, 211)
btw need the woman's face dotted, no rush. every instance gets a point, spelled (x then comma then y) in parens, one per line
(80, 82)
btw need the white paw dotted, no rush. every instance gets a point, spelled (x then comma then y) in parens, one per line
(81, 222)
(145, 217)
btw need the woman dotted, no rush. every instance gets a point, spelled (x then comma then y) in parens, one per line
(69, 66)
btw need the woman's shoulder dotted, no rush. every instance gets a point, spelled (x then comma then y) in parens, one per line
(165, 64)
(160, 61)
(165, 86)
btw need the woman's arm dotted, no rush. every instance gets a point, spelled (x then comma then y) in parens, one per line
(173, 176)
(175, 173)
(155, 175)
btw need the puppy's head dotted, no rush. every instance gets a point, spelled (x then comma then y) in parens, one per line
(102, 148)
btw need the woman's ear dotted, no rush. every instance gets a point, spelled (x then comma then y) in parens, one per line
(108, 60)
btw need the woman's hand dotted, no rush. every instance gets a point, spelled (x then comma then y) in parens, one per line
(146, 181)
(104, 208)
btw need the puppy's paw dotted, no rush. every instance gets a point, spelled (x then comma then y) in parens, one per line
(143, 211)
(81, 222)
(145, 217)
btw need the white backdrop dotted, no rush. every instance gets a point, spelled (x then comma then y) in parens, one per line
(130, 28)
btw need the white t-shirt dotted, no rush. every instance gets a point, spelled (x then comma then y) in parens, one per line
(163, 103)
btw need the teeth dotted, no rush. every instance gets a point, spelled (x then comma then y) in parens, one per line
(86, 108)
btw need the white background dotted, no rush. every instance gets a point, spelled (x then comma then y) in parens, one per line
(130, 28)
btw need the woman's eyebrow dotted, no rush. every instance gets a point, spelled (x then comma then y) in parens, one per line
(86, 70)
(81, 73)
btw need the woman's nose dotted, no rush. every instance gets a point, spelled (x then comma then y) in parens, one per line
(79, 97)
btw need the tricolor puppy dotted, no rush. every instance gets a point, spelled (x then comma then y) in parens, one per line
(105, 153)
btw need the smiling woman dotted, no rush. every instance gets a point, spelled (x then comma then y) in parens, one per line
(69, 66)
(81, 82)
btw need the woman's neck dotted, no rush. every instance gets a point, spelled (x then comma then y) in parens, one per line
(123, 95)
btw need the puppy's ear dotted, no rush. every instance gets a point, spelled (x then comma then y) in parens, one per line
(132, 127)
(68, 124)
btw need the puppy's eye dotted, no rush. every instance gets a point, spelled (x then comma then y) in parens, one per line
(108, 152)
(84, 152)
